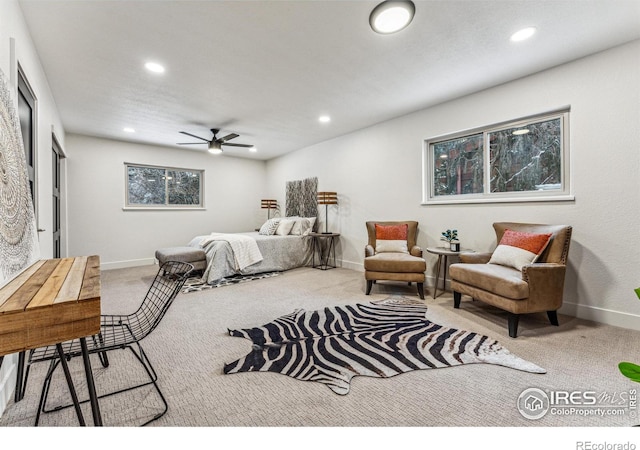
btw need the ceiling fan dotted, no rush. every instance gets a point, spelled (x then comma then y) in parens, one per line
(215, 143)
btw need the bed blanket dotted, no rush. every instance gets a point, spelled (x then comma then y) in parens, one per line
(245, 249)
(279, 253)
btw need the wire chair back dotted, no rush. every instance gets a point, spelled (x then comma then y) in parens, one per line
(121, 332)
(117, 331)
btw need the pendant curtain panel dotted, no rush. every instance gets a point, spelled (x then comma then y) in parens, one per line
(302, 198)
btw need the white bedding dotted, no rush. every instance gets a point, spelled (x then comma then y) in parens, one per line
(245, 249)
(279, 253)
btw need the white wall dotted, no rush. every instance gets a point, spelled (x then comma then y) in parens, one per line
(377, 173)
(16, 48)
(96, 183)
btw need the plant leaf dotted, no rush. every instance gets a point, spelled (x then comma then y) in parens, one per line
(637, 292)
(630, 370)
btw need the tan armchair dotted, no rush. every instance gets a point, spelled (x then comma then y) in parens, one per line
(538, 287)
(406, 266)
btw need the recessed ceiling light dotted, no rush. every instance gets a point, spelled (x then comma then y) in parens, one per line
(154, 67)
(523, 34)
(128, 130)
(520, 132)
(324, 119)
(392, 16)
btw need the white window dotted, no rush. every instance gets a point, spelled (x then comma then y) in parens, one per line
(165, 187)
(523, 160)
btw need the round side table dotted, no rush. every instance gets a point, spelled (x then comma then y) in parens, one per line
(443, 253)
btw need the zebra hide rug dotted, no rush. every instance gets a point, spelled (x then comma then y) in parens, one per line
(333, 345)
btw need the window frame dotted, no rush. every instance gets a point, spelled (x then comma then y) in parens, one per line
(166, 205)
(562, 194)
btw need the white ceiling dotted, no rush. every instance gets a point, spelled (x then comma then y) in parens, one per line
(268, 69)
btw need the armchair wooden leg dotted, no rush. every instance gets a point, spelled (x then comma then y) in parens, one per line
(421, 290)
(513, 325)
(553, 317)
(369, 284)
(456, 299)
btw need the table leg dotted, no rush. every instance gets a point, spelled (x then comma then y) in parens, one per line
(435, 288)
(95, 407)
(444, 278)
(72, 389)
(313, 251)
(333, 246)
(19, 394)
(1, 359)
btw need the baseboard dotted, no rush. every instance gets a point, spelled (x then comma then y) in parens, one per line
(8, 374)
(601, 315)
(126, 264)
(359, 267)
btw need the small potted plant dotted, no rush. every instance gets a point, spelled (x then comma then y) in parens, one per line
(451, 239)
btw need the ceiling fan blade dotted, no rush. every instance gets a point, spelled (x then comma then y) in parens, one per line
(191, 143)
(236, 145)
(228, 137)
(193, 135)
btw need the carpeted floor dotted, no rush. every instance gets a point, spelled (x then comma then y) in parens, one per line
(191, 346)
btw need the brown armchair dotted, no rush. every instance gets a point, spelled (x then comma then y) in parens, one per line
(405, 265)
(537, 287)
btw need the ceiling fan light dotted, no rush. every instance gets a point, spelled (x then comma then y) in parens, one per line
(215, 148)
(392, 16)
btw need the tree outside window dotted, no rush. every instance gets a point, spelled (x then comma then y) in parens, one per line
(523, 160)
(162, 186)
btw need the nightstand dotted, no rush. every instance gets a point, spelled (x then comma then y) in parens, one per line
(324, 244)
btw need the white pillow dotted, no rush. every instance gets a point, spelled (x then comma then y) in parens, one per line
(270, 226)
(284, 227)
(297, 225)
(387, 245)
(312, 221)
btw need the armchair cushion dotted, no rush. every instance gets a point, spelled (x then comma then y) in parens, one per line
(518, 248)
(501, 280)
(395, 263)
(391, 238)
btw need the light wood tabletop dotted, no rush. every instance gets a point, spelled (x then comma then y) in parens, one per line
(50, 302)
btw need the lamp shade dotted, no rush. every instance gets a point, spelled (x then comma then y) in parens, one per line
(268, 204)
(327, 198)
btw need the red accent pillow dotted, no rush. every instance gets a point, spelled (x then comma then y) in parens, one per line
(392, 238)
(518, 248)
(392, 232)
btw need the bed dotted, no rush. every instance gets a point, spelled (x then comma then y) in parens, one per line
(278, 252)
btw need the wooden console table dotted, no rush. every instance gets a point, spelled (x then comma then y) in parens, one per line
(50, 302)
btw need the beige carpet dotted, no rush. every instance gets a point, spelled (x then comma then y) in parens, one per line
(191, 345)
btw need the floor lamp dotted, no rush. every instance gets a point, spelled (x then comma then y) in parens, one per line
(268, 204)
(326, 199)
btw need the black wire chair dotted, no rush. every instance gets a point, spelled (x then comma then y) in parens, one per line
(120, 332)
